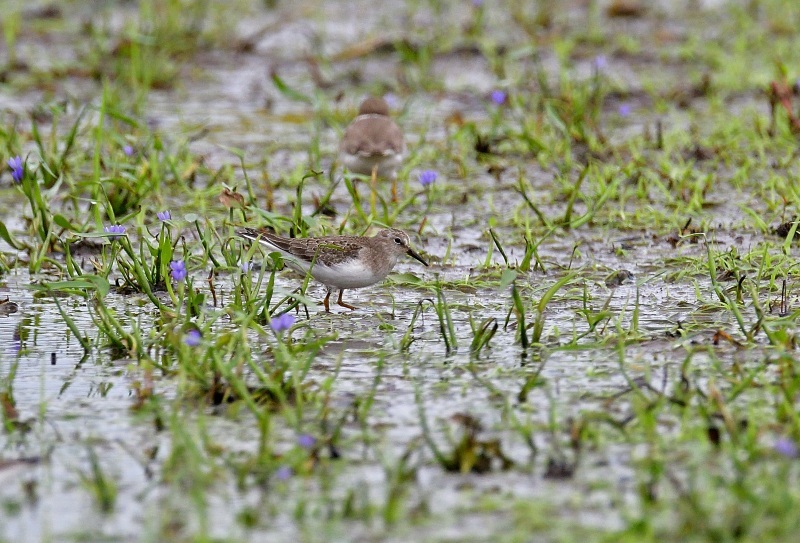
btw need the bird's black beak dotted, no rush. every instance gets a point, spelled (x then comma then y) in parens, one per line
(415, 255)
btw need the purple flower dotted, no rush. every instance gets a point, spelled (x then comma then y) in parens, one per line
(785, 446)
(128, 150)
(16, 342)
(115, 231)
(600, 63)
(283, 322)
(306, 441)
(284, 473)
(193, 338)
(247, 266)
(391, 100)
(164, 215)
(17, 168)
(178, 270)
(477, 3)
(427, 177)
(624, 110)
(499, 97)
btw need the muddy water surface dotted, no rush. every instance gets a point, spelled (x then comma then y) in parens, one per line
(79, 408)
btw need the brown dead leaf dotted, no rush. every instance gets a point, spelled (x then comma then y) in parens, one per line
(723, 335)
(231, 199)
(7, 307)
(625, 8)
(10, 412)
(456, 118)
(781, 93)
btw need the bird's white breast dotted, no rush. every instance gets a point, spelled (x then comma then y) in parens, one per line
(348, 274)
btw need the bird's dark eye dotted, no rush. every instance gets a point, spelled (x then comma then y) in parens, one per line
(398, 241)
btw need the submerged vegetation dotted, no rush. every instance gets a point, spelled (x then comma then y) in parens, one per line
(603, 348)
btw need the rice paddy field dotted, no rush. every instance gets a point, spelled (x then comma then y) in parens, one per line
(603, 348)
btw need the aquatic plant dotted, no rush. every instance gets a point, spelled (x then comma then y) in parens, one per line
(427, 177)
(193, 337)
(114, 231)
(282, 322)
(498, 97)
(17, 167)
(178, 270)
(623, 289)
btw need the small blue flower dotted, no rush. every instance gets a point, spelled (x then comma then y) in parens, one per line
(427, 177)
(283, 322)
(477, 3)
(17, 168)
(284, 473)
(247, 266)
(624, 110)
(164, 215)
(193, 338)
(178, 270)
(128, 150)
(306, 441)
(600, 63)
(115, 231)
(391, 100)
(16, 343)
(499, 97)
(785, 446)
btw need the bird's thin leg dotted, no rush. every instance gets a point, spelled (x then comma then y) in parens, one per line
(325, 302)
(341, 302)
(374, 188)
(394, 189)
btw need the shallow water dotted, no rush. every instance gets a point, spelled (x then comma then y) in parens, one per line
(78, 407)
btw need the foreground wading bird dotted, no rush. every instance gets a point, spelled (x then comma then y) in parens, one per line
(340, 262)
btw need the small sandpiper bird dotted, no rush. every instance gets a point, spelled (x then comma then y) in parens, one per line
(373, 144)
(340, 262)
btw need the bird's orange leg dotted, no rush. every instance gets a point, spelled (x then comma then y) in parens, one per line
(374, 188)
(325, 302)
(341, 302)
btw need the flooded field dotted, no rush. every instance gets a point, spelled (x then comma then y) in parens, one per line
(603, 347)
